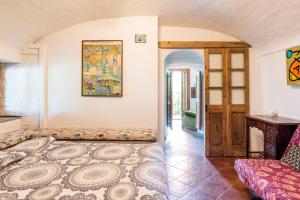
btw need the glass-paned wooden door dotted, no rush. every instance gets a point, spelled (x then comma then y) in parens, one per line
(227, 94)
(215, 101)
(238, 100)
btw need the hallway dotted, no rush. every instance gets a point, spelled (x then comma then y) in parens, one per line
(192, 176)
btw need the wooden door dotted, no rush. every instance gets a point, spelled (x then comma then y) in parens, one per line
(185, 88)
(200, 89)
(227, 100)
(169, 99)
(215, 102)
(238, 100)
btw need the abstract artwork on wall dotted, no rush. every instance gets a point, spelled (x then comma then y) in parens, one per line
(102, 68)
(293, 65)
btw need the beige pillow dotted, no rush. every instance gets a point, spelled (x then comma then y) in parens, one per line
(99, 134)
(13, 138)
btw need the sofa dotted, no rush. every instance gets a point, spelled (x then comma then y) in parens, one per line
(189, 120)
(273, 179)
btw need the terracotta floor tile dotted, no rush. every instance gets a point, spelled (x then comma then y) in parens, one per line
(178, 189)
(187, 165)
(222, 180)
(175, 159)
(202, 170)
(229, 172)
(239, 186)
(172, 197)
(194, 179)
(213, 189)
(192, 176)
(232, 194)
(194, 165)
(173, 172)
(197, 194)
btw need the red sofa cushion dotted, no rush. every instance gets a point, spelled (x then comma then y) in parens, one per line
(269, 179)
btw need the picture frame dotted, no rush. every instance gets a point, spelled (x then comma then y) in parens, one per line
(193, 92)
(140, 38)
(293, 66)
(102, 68)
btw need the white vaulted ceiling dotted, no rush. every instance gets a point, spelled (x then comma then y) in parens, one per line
(257, 22)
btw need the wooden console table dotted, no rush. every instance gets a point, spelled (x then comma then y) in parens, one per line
(277, 133)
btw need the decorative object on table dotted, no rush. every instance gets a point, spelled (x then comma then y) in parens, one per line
(140, 38)
(102, 67)
(193, 92)
(293, 65)
(273, 113)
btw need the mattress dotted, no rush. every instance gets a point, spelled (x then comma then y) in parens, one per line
(85, 170)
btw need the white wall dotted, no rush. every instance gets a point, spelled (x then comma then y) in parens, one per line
(143, 82)
(278, 96)
(8, 54)
(269, 90)
(255, 98)
(138, 108)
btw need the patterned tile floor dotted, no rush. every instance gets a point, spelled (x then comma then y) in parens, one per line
(192, 176)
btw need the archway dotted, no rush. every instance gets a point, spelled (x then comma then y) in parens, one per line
(190, 64)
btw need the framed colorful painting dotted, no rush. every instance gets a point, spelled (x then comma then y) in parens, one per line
(293, 65)
(102, 68)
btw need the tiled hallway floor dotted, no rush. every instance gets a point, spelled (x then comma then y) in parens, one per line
(192, 176)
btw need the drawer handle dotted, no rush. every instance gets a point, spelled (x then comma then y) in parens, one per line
(270, 148)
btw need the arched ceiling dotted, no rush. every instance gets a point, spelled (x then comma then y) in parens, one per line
(184, 56)
(258, 22)
(181, 58)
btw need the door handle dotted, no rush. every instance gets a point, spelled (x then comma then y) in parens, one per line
(206, 107)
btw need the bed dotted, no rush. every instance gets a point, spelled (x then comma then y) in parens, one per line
(46, 168)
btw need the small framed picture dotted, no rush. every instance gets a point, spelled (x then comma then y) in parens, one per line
(193, 92)
(140, 38)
